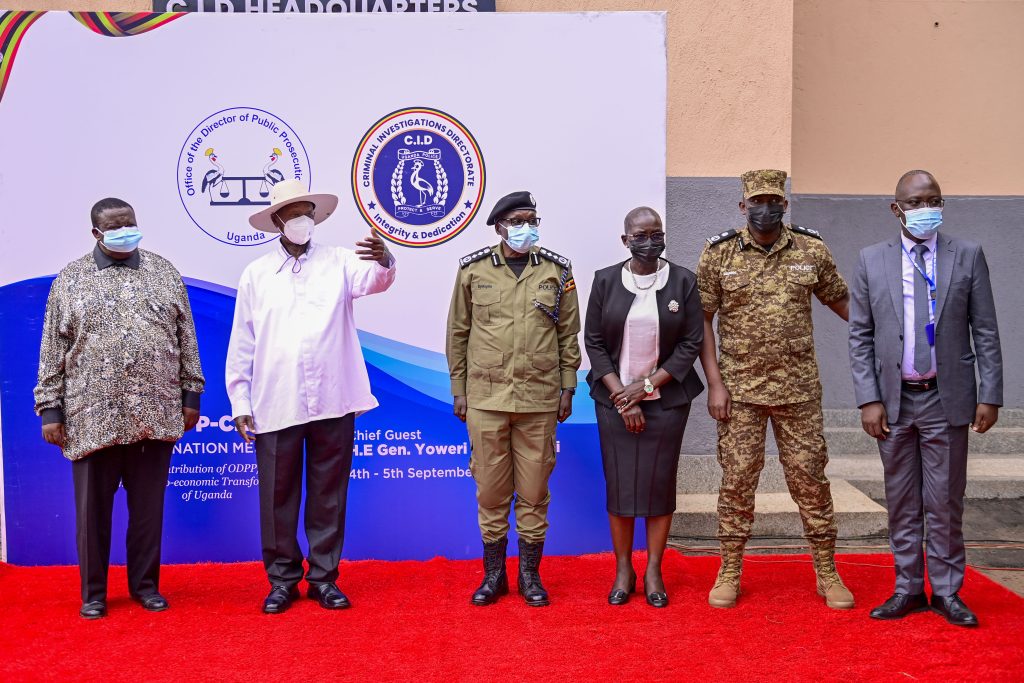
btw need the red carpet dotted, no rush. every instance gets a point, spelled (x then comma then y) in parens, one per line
(412, 620)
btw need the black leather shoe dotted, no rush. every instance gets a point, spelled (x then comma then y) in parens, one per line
(495, 583)
(621, 597)
(280, 599)
(954, 609)
(152, 603)
(93, 610)
(329, 597)
(899, 606)
(656, 598)
(530, 587)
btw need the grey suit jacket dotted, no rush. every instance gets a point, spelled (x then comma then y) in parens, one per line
(964, 309)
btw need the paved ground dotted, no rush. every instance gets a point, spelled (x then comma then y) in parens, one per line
(1001, 519)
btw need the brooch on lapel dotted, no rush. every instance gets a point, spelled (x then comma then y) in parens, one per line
(673, 306)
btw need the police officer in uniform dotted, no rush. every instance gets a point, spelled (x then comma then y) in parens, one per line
(759, 279)
(513, 354)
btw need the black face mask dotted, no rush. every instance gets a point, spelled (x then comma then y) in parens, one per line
(765, 217)
(646, 252)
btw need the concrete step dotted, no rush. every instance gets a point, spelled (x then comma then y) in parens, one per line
(844, 417)
(999, 439)
(777, 515)
(988, 475)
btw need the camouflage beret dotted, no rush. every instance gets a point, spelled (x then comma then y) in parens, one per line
(765, 181)
(511, 202)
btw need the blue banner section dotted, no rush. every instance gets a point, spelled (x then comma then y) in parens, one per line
(411, 495)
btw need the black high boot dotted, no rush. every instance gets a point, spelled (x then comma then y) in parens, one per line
(495, 577)
(530, 587)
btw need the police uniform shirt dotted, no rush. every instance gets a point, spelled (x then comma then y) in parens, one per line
(504, 351)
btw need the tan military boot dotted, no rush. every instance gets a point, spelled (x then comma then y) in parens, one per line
(727, 585)
(830, 586)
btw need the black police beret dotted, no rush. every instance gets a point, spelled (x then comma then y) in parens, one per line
(511, 202)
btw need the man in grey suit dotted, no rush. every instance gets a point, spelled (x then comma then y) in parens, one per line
(917, 301)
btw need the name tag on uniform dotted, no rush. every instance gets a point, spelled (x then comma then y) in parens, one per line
(929, 330)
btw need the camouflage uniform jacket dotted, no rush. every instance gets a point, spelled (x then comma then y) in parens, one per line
(763, 301)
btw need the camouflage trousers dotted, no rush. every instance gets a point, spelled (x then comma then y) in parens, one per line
(798, 431)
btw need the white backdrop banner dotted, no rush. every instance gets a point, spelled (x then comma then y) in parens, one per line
(420, 123)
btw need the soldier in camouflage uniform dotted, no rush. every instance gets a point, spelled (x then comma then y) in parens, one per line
(759, 279)
(513, 354)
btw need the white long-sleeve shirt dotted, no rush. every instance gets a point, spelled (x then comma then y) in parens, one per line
(294, 356)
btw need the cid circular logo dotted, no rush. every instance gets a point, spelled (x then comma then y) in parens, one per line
(418, 177)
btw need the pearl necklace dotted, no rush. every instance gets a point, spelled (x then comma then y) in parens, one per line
(636, 283)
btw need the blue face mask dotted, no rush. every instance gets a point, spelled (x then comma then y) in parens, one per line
(922, 223)
(521, 238)
(122, 240)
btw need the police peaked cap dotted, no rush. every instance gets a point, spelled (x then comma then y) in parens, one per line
(512, 202)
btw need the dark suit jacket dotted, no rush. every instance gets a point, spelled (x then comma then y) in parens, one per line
(679, 334)
(964, 310)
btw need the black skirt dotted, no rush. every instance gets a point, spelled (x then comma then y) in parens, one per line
(640, 469)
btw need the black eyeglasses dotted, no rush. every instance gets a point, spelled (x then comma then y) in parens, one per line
(915, 203)
(644, 238)
(519, 222)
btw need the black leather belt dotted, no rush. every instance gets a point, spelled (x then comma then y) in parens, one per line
(920, 385)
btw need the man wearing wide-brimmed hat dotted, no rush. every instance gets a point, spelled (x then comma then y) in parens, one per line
(296, 379)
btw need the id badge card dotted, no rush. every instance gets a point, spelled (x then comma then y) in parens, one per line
(929, 330)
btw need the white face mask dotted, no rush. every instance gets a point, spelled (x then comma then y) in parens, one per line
(299, 230)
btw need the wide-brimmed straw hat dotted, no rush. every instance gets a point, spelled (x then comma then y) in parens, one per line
(287, 192)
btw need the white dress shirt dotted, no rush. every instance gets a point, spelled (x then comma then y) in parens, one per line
(909, 331)
(294, 356)
(639, 355)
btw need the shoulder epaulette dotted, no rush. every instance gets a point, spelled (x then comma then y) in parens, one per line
(723, 236)
(474, 257)
(807, 231)
(552, 256)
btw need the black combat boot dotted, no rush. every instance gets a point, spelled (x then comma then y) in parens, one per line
(495, 577)
(530, 586)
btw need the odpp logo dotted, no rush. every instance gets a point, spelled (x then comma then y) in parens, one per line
(227, 166)
(418, 177)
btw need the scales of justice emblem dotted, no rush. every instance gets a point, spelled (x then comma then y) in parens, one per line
(431, 196)
(224, 189)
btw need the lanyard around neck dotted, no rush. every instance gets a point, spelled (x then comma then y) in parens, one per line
(929, 280)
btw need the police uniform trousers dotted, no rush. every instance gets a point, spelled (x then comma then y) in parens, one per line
(513, 455)
(798, 429)
(640, 469)
(142, 467)
(925, 463)
(327, 447)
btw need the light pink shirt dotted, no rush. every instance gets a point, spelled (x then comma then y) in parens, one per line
(294, 356)
(639, 355)
(909, 331)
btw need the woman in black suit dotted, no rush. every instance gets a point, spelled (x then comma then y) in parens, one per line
(643, 333)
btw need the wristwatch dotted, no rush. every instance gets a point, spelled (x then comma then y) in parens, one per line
(648, 386)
